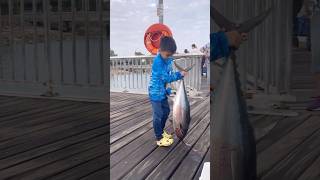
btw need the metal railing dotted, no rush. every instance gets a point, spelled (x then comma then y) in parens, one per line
(47, 51)
(132, 74)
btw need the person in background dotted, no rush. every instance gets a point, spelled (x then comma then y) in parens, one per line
(205, 58)
(194, 49)
(203, 62)
(186, 51)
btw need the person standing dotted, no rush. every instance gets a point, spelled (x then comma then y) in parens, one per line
(194, 49)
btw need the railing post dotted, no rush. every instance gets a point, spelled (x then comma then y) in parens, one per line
(288, 41)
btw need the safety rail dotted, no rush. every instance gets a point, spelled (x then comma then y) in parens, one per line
(132, 74)
(49, 52)
(265, 59)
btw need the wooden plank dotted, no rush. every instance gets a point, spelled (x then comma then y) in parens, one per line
(42, 123)
(134, 118)
(191, 163)
(129, 162)
(263, 126)
(35, 114)
(59, 110)
(312, 172)
(277, 151)
(199, 171)
(101, 174)
(61, 155)
(115, 137)
(83, 169)
(117, 156)
(297, 161)
(281, 129)
(38, 139)
(61, 165)
(173, 159)
(52, 147)
(115, 111)
(127, 139)
(16, 107)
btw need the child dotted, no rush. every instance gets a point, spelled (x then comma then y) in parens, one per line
(162, 73)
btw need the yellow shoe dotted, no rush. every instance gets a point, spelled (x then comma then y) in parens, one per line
(165, 142)
(165, 134)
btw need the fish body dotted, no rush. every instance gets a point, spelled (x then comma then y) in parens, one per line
(233, 153)
(181, 112)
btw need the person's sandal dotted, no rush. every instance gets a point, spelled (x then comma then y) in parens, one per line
(165, 134)
(165, 142)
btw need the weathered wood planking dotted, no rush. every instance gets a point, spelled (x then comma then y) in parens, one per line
(278, 150)
(128, 158)
(42, 138)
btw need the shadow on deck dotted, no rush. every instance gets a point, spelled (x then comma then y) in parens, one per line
(52, 139)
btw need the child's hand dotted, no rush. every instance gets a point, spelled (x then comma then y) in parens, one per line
(184, 73)
(235, 38)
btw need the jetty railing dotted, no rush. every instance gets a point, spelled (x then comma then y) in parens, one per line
(54, 48)
(132, 73)
(264, 61)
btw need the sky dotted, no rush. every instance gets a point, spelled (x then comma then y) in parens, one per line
(189, 21)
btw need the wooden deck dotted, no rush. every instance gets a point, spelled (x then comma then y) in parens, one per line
(287, 147)
(133, 149)
(52, 139)
(291, 148)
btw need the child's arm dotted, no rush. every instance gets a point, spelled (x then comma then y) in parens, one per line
(219, 46)
(161, 72)
(222, 41)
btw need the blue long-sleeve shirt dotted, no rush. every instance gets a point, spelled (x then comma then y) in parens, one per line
(162, 73)
(219, 46)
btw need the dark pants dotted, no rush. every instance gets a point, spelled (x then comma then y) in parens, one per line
(161, 111)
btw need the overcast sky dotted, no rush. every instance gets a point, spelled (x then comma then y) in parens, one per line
(189, 21)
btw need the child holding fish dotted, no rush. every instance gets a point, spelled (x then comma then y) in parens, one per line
(162, 74)
(221, 42)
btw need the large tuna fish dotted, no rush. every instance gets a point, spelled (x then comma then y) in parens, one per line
(181, 108)
(233, 154)
(181, 112)
(233, 149)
